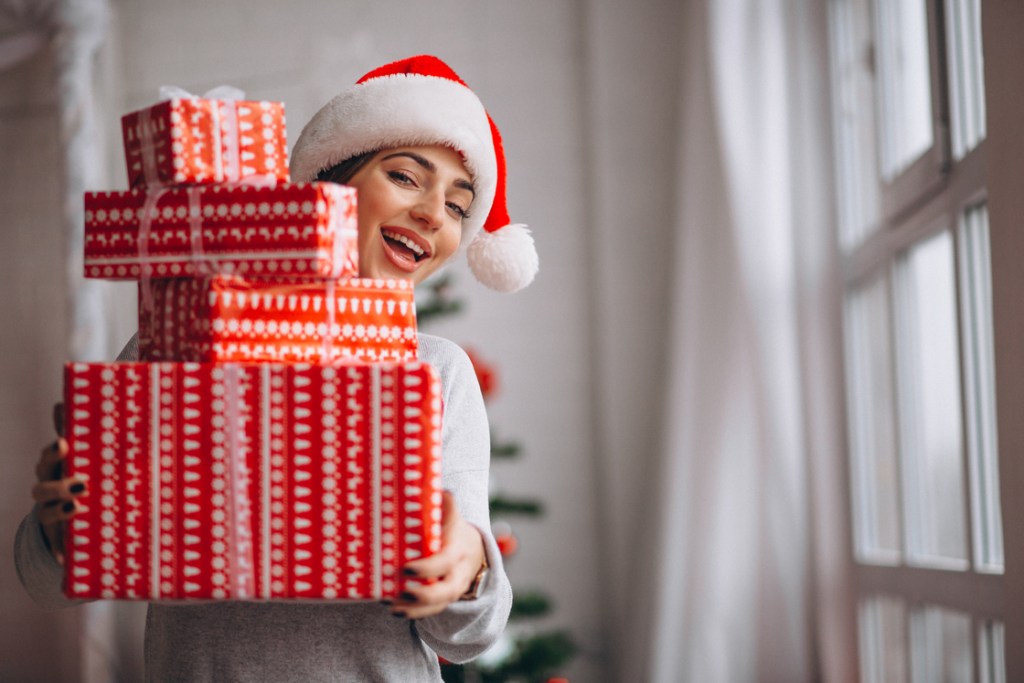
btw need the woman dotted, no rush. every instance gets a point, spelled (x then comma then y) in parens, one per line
(429, 168)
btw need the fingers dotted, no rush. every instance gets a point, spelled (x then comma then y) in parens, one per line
(445, 576)
(51, 460)
(427, 599)
(58, 418)
(57, 500)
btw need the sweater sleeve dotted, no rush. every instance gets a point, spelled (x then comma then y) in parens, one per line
(466, 628)
(38, 571)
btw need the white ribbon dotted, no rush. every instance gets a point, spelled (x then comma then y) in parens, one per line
(375, 447)
(240, 538)
(149, 212)
(201, 266)
(335, 218)
(148, 148)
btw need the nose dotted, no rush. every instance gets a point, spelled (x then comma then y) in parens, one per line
(429, 210)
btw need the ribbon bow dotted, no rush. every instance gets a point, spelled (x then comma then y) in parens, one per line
(221, 92)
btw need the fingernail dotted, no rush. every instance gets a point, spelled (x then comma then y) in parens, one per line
(408, 597)
(398, 614)
(386, 601)
(77, 487)
(68, 507)
(408, 571)
(51, 503)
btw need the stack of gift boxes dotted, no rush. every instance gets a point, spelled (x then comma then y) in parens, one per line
(278, 438)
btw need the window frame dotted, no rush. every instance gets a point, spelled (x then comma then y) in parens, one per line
(931, 195)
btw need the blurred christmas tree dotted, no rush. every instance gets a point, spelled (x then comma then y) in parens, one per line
(523, 653)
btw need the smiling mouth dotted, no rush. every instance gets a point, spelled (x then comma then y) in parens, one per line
(405, 246)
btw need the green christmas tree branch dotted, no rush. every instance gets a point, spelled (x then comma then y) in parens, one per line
(439, 301)
(534, 660)
(501, 506)
(504, 450)
(529, 604)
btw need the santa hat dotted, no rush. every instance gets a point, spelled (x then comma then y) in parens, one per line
(422, 101)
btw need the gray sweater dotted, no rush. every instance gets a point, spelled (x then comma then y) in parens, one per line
(353, 641)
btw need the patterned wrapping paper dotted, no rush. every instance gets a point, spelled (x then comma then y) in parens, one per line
(327, 484)
(198, 141)
(300, 229)
(228, 318)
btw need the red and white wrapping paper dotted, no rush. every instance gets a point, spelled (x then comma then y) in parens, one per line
(251, 481)
(198, 141)
(300, 229)
(228, 318)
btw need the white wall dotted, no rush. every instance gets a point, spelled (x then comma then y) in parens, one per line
(526, 61)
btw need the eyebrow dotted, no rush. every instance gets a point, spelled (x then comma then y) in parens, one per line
(432, 167)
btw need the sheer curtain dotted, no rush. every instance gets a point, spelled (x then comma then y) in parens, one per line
(709, 541)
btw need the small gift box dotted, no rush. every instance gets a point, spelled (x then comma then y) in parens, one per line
(251, 481)
(192, 140)
(301, 229)
(228, 318)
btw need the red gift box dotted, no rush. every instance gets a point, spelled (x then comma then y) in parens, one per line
(301, 229)
(227, 318)
(197, 141)
(251, 481)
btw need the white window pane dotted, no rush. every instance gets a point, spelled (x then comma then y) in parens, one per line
(882, 629)
(940, 646)
(929, 405)
(873, 452)
(991, 653)
(966, 81)
(853, 105)
(905, 109)
(979, 394)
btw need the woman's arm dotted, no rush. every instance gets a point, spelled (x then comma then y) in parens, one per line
(465, 628)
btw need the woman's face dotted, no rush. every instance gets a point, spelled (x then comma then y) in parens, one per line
(412, 201)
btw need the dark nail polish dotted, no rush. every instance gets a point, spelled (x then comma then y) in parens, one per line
(386, 601)
(398, 614)
(410, 572)
(51, 503)
(68, 507)
(409, 597)
(77, 487)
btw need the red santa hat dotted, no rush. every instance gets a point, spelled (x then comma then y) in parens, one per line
(422, 101)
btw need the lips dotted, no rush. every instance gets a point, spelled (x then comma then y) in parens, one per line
(404, 248)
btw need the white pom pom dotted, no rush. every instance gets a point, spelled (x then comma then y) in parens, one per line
(506, 259)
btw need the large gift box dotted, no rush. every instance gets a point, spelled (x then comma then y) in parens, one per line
(228, 318)
(196, 141)
(251, 481)
(300, 229)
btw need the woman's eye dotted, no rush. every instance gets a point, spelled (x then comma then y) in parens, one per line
(458, 210)
(400, 177)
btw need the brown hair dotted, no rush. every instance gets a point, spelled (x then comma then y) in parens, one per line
(343, 172)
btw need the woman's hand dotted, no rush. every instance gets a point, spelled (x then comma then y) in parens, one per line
(454, 567)
(55, 495)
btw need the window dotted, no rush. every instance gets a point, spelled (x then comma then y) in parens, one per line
(909, 109)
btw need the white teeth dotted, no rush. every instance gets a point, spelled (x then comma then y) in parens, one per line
(417, 249)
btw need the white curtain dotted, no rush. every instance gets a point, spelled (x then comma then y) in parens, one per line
(77, 35)
(711, 571)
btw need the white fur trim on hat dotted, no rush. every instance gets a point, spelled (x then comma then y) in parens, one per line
(403, 109)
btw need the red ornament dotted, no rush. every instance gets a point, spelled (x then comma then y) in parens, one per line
(486, 374)
(507, 544)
